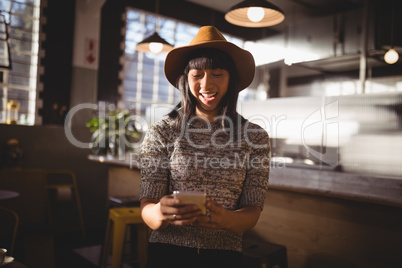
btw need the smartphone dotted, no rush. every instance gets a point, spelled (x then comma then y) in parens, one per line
(197, 198)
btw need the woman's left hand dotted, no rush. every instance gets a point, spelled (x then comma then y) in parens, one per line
(236, 221)
(216, 217)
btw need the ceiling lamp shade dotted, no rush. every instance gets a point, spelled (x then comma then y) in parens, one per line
(255, 13)
(154, 44)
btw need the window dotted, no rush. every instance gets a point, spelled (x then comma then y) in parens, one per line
(144, 80)
(19, 82)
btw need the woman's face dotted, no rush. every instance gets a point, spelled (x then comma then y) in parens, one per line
(208, 86)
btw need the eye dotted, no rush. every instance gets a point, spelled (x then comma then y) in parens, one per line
(217, 72)
(195, 73)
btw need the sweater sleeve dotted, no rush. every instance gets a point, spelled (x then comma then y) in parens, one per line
(257, 176)
(154, 165)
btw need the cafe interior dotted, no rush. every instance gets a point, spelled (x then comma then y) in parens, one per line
(327, 89)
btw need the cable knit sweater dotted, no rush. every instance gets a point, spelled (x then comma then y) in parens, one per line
(232, 167)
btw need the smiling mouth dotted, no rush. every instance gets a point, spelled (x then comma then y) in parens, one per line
(210, 95)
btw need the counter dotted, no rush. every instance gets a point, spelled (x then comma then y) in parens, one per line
(114, 161)
(123, 176)
(345, 185)
(361, 187)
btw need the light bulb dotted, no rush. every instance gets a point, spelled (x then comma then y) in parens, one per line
(391, 56)
(255, 14)
(155, 47)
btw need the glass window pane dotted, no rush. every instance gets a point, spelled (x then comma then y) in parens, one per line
(29, 2)
(21, 80)
(4, 58)
(22, 8)
(20, 45)
(20, 34)
(21, 22)
(163, 92)
(177, 95)
(5, 5)
(20, 68)
(21, 58)
(149, 26)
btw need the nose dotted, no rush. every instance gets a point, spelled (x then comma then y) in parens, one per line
(206, 81)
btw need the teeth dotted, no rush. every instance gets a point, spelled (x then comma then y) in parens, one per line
(209, 95)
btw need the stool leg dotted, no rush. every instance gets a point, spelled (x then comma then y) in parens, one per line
(79, 208)
(142, 232)
(119, 230)
(106, 245)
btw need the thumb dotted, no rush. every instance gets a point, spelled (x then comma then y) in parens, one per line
(211, 205)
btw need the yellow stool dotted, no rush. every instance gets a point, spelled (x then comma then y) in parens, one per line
(119, 219)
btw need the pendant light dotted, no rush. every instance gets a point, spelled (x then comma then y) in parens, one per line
(154, 43)
(392, 56)
(254, 14)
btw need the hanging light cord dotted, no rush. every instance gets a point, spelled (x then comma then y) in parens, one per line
(156, 17)
(157, 6)
(392, 23)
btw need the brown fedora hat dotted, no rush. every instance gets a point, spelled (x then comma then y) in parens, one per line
(210, 37)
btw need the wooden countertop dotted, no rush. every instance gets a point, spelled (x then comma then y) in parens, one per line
(361, 187)
(133, 164)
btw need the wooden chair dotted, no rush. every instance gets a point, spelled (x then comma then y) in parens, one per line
(30, 184)
(34, 232)
(64, 179)
(34, 205)
(8, 229)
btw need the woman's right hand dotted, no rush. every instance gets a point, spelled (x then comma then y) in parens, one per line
(176, 213)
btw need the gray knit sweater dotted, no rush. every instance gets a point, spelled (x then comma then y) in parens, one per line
(232, 167)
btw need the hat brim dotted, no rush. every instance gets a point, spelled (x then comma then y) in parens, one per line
(176, 61)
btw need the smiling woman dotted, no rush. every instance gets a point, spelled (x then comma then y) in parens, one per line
(198, 147)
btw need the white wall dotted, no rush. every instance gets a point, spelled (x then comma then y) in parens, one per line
(87, 29)
(85, 58)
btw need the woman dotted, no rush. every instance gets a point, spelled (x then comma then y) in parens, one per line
(204, 146)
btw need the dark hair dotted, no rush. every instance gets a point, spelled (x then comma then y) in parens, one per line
(206, 58)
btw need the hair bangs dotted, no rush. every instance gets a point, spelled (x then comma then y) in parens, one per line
(210, 58)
